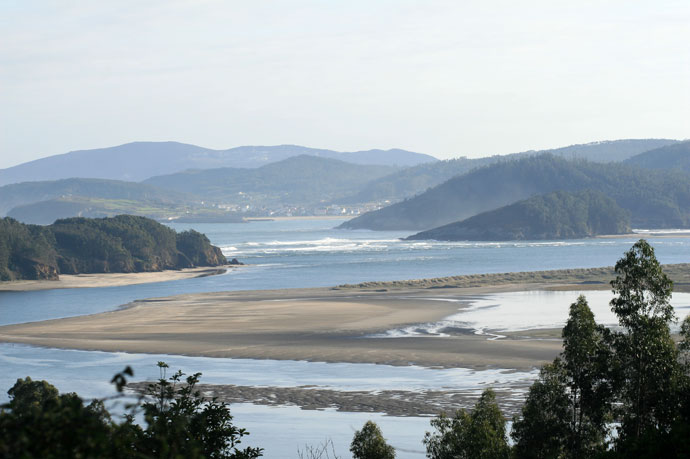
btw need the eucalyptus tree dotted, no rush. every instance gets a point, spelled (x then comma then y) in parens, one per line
(650, 369)
(567, 408)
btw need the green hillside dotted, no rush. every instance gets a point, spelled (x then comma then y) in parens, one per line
(557, 215)
(297, 180)
(655, 199)
(80, 245)
(676, 157)
(411, 181)
(19, 194)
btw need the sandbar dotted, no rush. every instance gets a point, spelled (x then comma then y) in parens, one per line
(327, 325)
(110, 279)
(337, 324)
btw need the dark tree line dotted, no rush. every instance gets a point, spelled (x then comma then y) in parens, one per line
(125, 243)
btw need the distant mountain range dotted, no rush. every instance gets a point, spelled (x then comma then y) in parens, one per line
(557, 215)
(140, 160)
(184, 182)
(655, 199)
(298, 180)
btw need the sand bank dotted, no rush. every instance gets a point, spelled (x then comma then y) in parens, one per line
(110, 279)
(327, 325)
(323, 324)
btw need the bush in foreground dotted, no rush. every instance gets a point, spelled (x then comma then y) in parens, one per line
(41, 423)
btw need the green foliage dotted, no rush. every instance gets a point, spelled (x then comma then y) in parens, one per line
(124, 243)
(26, 251)
(39, 422)
(567, 409)
(542, 432)
(180, 423)
(369, 443)
(648, 355)
(558, 215)
(590, 370)
(480, 434)
(637, 376)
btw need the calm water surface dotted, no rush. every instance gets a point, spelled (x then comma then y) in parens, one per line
(309, 253)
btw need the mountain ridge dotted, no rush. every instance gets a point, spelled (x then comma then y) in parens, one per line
(136, 161)
(655, 198)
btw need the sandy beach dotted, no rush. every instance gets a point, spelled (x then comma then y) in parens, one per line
(305, 324)
(110, 279)
(333, 324)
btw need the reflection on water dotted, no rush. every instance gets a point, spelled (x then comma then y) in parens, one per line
(281, 430)
(95, 369)
(519, 311)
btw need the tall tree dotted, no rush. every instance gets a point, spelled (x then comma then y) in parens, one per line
(588, 364)
(567, 408)
(542, 430)
(649, 358)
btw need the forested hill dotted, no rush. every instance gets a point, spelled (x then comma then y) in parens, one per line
(81, 245)
(655, 199)
(297, 180)
(676, 156)
(411, 181)
(557, 215)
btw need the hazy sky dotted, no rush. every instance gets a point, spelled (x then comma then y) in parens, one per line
(448, 78)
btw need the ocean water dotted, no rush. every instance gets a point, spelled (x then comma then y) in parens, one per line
(310, 253)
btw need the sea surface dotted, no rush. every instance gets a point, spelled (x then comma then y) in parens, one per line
(310, 253)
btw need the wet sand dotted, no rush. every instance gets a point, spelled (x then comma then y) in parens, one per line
(323, 324)
(110, 279)
(326, 324)
(390, 402)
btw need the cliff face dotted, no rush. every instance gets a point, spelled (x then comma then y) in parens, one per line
(81, 245)
(196, 250)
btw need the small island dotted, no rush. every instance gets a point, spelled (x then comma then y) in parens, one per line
(557, 215)
(121, 244)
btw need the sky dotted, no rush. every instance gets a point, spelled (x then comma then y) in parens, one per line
(446, 78)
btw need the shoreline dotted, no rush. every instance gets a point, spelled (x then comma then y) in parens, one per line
(320, 325)
(299, 217)
(327, 324)
(96, 280)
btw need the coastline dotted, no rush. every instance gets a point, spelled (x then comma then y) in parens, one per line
(323, 324)
(336, 324)
(111, 279)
